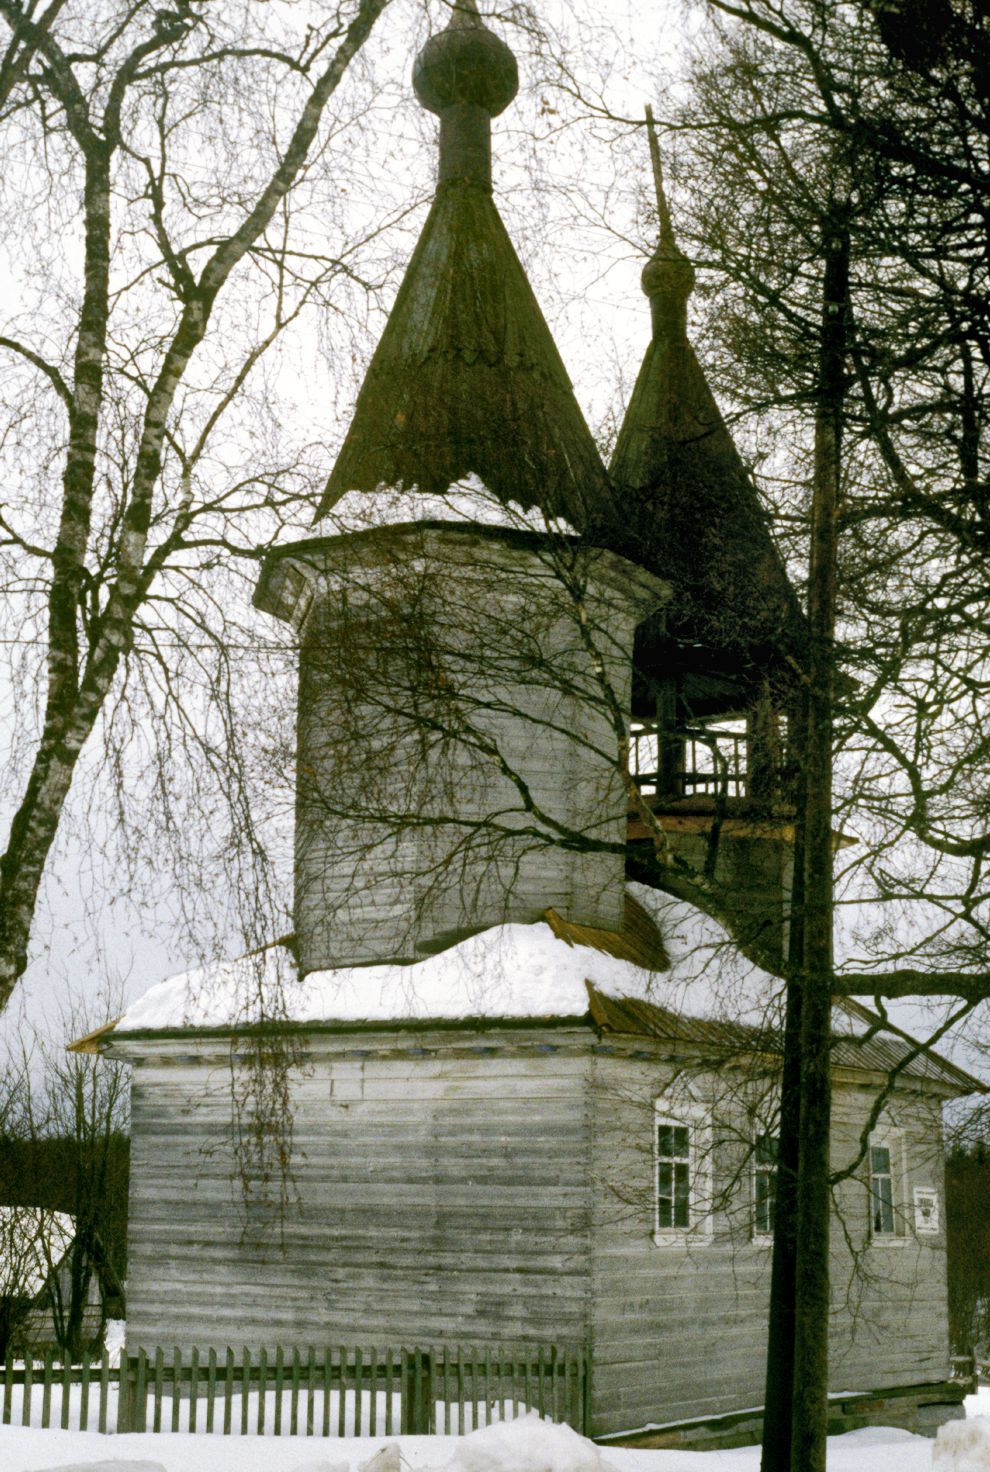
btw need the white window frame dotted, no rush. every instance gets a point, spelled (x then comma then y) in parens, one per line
(696, 1118)
(888, 1137)
(761, 1239)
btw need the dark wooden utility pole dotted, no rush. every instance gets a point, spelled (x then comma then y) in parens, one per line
(779, 1391)
(811, 1282)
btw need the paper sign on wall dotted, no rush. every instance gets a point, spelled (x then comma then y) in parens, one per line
(925, 1209)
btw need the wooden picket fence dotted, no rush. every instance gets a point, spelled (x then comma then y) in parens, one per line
(331, 1392)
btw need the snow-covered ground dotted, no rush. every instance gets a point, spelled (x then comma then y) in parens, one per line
(521, 1446)
(526, 1445)
(27, 1450)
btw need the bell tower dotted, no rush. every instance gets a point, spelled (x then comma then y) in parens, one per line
(714, 693)
(465, 647)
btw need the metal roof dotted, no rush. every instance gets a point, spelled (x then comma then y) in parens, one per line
(863, 1052)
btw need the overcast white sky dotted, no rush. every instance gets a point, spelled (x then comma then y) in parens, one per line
(88, 940)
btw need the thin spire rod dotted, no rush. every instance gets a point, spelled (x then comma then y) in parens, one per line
(663, 210)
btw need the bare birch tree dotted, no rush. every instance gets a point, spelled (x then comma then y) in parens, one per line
(119, 382)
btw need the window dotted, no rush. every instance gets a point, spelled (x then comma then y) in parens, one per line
(886, 1187)
(881, 1191)
(765, 1151)
(682, 1170)
(673, 1175)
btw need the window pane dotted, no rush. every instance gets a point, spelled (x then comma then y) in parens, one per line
(883, 1205)
(765, 1190)
(673, 1176)
(767, 1148)
(682, 1197)
(665, 1195)
(880, 1160)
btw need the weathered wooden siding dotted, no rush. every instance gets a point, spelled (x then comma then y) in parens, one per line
(680, 1333)
(443, 1193)
(499, 1187)
(891, 1294)
(450, 718)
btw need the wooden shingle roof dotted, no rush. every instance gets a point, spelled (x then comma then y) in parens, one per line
(686, 501)
(466, 377)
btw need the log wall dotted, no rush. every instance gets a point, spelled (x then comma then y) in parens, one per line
(499, 1187)
(680, 1330)
(442, 1193)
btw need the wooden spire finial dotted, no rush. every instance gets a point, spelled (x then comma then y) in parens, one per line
(663, 209)
(668, 276)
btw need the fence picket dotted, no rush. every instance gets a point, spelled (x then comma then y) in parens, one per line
(403, 1392)
(26, 1397)
(327, 1383)
(211, 1389)
(156, 1394)
(446, 1392)
(84, 1395)
(66, 1390)
(8, 1386)
(388, 1390)
(373, 1402)
(137, 1411)
(245, 1388)
(342, 1393)
(193, 1386)
(262, 1388)
(105, 1385)
(46, 1393)
(279, 1379)
(176, 1385)
(294, 1395)
(358, 1385)
(310, 1390)
(228, 1391)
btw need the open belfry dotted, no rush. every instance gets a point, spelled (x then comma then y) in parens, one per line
(532, 1088)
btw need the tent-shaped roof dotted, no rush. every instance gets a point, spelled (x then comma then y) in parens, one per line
(466, 377)
(691, 509)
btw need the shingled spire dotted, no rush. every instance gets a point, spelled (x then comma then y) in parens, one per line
(466, 377)
(690, 507)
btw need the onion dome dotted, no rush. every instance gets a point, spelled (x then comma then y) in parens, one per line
(467, 75)
(466, 64)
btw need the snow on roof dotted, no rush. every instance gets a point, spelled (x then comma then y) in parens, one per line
(507, 971)
(466, 501)
(33, 1241)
